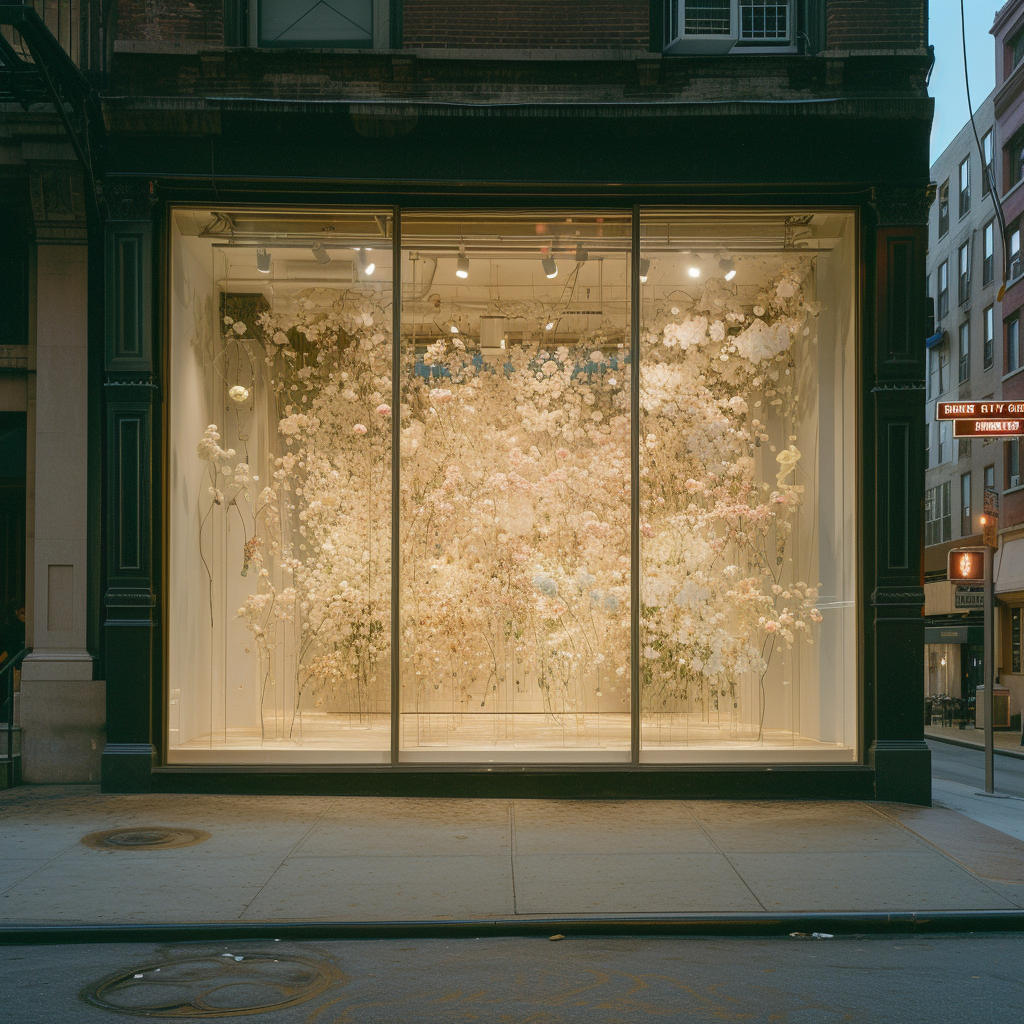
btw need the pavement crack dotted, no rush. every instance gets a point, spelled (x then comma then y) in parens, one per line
(284, 859)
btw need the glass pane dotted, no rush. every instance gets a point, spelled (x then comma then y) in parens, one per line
(280, 486)
(747, 499)
(515, 501)
(316, 22)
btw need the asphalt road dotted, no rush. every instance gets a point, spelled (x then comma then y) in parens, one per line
(904, 980)
(967, 766)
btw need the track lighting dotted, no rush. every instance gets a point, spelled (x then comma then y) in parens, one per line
(694, 271)
(728, 267)
(263, 261)
(320, 254)
(645, 266)
(462, 266)
(550, 267)
(581, 253)
(366, 264)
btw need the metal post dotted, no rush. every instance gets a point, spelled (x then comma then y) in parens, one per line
(990, 669)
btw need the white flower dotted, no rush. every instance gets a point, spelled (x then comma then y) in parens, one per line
(238, 393)
(238, 327)
(280, 338)
(359, 429)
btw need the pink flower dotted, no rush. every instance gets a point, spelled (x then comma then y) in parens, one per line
(383, 410)
(359, 429)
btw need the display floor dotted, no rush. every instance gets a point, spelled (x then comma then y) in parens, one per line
(472, 738)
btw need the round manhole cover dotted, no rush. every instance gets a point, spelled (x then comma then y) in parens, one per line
(145, 838)
(212, 986)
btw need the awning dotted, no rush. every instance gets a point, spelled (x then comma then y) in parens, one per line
(934, 339)
(1009, 568)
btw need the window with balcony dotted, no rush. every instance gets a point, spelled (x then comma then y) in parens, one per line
(963, 282)
(944, 208)
(1012, 344)
(988, 263)
(943, 274)
(989, 344)
(964, 363)
(965, 185)
(988, 171)
(718, 26)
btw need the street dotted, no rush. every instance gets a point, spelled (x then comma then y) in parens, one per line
(904, 979)
(967, 767)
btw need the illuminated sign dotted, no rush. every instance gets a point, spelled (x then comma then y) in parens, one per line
(988, 428)
(966, 566)
(978, 410)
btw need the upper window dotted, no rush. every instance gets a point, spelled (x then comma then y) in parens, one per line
(965, 185)
(340, 23)
(718, 26)
(1015, 45)
(989, 337)
(963, 260)
(943, 207)
(943, 288)
(964, 366)
(989, 250)
(1014, 163)
(988, 171)
(1013, 252)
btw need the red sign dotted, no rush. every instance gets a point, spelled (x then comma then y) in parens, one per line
(978, 410)
(988, 428)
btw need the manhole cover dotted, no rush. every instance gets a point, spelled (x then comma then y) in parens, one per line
(152, 838)
(212, 986)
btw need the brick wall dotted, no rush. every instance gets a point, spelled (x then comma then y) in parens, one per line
(171, 21)
(877, 24)
(527, 24)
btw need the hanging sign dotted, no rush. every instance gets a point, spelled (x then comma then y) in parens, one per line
(988, 428)
(979, 410)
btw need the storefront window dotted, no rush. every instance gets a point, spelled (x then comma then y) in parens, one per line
(280, 479)
(519, 633)
(746, 487)
(515, 449)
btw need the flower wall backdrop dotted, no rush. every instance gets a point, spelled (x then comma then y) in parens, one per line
(514, 507)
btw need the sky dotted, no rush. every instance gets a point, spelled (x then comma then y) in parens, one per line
(947, 81)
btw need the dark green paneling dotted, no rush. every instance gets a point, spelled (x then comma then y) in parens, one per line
(129, 345)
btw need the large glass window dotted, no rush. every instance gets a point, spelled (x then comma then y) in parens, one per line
(280, 482)
(748, 626)
(532, 464)
(515, 509)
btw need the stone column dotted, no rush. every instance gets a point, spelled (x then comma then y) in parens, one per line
(893, 488)
(62, 704)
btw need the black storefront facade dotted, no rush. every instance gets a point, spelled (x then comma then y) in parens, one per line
(381, 504)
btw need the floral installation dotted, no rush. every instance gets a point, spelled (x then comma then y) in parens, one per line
(515, 505)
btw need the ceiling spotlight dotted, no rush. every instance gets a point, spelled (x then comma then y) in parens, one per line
(462, 266)
(550, 267)
(645, 266)
(366, 264)
(320, 254)
(694, 271)
(263, 261)
(581, 254)
(728, 267)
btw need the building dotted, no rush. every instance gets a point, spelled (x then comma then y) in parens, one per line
(1008, 30)
(341, 475)
(965, 361)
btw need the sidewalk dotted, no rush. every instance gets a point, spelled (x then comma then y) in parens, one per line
(281, 859)
(1003, 742)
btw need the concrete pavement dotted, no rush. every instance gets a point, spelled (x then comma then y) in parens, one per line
(337, 859)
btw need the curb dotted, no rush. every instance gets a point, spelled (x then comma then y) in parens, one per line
(849, 923)
(974, 746)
